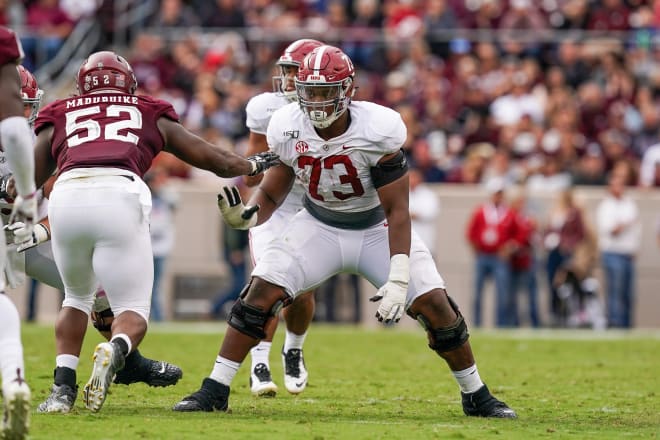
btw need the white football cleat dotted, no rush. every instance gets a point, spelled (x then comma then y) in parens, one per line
(108, 359)
(17, 410)
(295, 373)
(261, 381)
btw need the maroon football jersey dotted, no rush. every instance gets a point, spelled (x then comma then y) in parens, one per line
(11, 50)
(105, 130)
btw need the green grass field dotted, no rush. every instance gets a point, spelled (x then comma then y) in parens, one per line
(373, 384)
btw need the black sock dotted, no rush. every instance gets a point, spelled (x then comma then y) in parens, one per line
(65, 376)
(123, 346)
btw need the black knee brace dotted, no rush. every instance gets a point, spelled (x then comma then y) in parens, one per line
(251, 320)
(99, 320)
(448, 338)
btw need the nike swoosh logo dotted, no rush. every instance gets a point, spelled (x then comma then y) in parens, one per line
(344, 147)
(300, 384)
(162, 368)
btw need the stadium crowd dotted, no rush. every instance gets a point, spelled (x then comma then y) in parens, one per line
(547, 94)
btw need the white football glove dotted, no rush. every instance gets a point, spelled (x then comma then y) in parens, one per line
(393, 293)
(24, 210)
(234, 212)
(27, 238)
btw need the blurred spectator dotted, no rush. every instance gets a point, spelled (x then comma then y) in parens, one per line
(523, 264)
(49, 27)
(550, 178)
(77, 9)
(564, 231)
(612, 15)
(577, 287)
(649, 171)
(364, 25)
(220, 13)
(174, 13)
(424, 209)
(619, 235)
(590, 168)
(438, 18)
(491, 234)
(510, 108)
(162, 230)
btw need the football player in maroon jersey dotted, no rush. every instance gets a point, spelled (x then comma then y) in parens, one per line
(102, 142)
(35, 259)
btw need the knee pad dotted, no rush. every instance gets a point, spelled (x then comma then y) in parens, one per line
(248, 319)
(103, 320)
(448, 338)
(251, 320)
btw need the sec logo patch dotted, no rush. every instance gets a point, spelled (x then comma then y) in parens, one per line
(302, 147)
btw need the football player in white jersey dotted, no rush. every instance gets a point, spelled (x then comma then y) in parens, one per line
(31, 254)
(299, 314)
(17, 150)
(349, 157)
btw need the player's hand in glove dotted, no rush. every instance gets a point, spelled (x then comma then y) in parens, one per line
(27, 238)
(234, 212)
(393, 293)
(24, 211)
(262, 161)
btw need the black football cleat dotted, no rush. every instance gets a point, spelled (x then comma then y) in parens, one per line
(482, 404)
(153, 373)
(211, 396)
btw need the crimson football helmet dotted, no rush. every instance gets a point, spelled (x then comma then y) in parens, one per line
(325, 81)
(30, 92)
(292, 56)
(105, 70)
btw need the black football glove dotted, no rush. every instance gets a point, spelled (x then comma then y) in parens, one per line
(262, 161)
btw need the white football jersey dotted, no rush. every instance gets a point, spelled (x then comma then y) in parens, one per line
(259, 110)
(336, 173)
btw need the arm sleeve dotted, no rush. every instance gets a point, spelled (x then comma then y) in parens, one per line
(17, 142)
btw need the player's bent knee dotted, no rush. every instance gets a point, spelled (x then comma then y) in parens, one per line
(102, 320)
(447, 338)
(251, 319)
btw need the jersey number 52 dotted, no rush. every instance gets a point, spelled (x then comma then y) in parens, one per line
(76, 120)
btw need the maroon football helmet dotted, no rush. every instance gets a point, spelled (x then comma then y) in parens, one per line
(325, 81)
(30, 92)
(105, 71)
(292, 56)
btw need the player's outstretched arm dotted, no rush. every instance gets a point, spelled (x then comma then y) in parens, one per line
(257, 143)
(199, 153)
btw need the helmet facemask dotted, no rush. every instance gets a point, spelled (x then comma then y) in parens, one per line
(33, 104)
(316, 98)
(288, 72)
